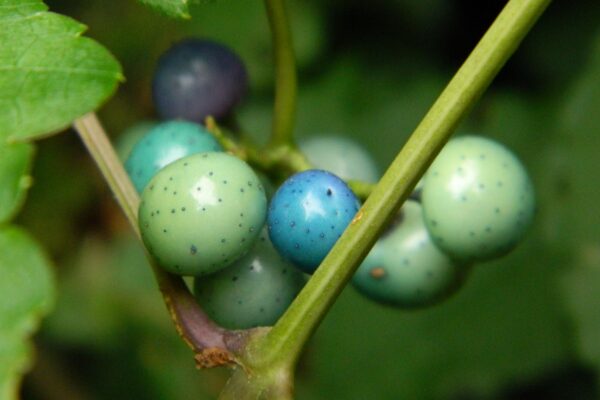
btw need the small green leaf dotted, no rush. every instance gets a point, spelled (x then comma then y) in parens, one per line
(15, 164)
(27, 293)
(172, 8)
(49, 75)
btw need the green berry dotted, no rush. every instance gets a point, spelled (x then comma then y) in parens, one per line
(201, 213)
(254, 291)
(405, 268)
(340, 156)
(477, 199)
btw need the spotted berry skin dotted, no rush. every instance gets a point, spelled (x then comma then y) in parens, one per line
(307, 215)
(165, 143)
(197, 78)
(477, 199)
(254, 291)
(340, 156)
(405, 268)
(201, 213)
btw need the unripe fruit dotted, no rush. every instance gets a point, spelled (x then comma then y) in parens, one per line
(254, 291)
(340, 156)
(478, 200)
(165, 143)
(201, 213)
(405, 268)
(131, 136)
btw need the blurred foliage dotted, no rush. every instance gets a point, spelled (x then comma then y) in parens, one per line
(525, 326)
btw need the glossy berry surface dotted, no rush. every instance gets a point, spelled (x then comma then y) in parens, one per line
(307, 215)
(201, 213)
(197, 78)
(477, 199)
(254, 291)
(405, 268)
(340, 156)
(165, 143)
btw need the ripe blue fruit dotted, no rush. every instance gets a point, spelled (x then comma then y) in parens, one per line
(405, 268)
(201, 213)
(478, 200)
(165, 143)
(340, 156)
(307, 215)
(254, 291)
(197, 78)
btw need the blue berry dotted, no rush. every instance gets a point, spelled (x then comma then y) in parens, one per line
(201, 213)
(340, 156)
(478, 200)
(197, 78)
(165, 143)
(254, 291)
(405, 268)
(307, 215)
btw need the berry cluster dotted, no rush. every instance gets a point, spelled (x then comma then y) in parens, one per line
(204, 213)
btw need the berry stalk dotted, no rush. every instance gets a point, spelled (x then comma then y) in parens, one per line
(284, 115)
(281, 347)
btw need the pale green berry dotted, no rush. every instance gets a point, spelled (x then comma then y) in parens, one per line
(254, 291)
(201, 213)
(405, 268)
(340, 156)
(477, 199)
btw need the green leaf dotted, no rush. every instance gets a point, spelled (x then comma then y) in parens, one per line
(15, 164)
(49, 75)
(172, 8)
(27, 294)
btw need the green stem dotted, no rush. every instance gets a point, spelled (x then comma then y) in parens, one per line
(95, 140)
(281, 347)
(212, 344)
(285, 74)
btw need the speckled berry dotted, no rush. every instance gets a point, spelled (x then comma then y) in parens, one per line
(405, 268)
(254, 291)
(340, 156)
(307, 215)
(201, 213)
(196, 78)
(477, 199)
(165, 143)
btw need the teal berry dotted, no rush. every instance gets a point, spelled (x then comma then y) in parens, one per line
(129, 138)
(405, 268)
(308, 214)
(340, 156)
(477, 199)
(165, 143)
(201, 213)
(254, 291)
